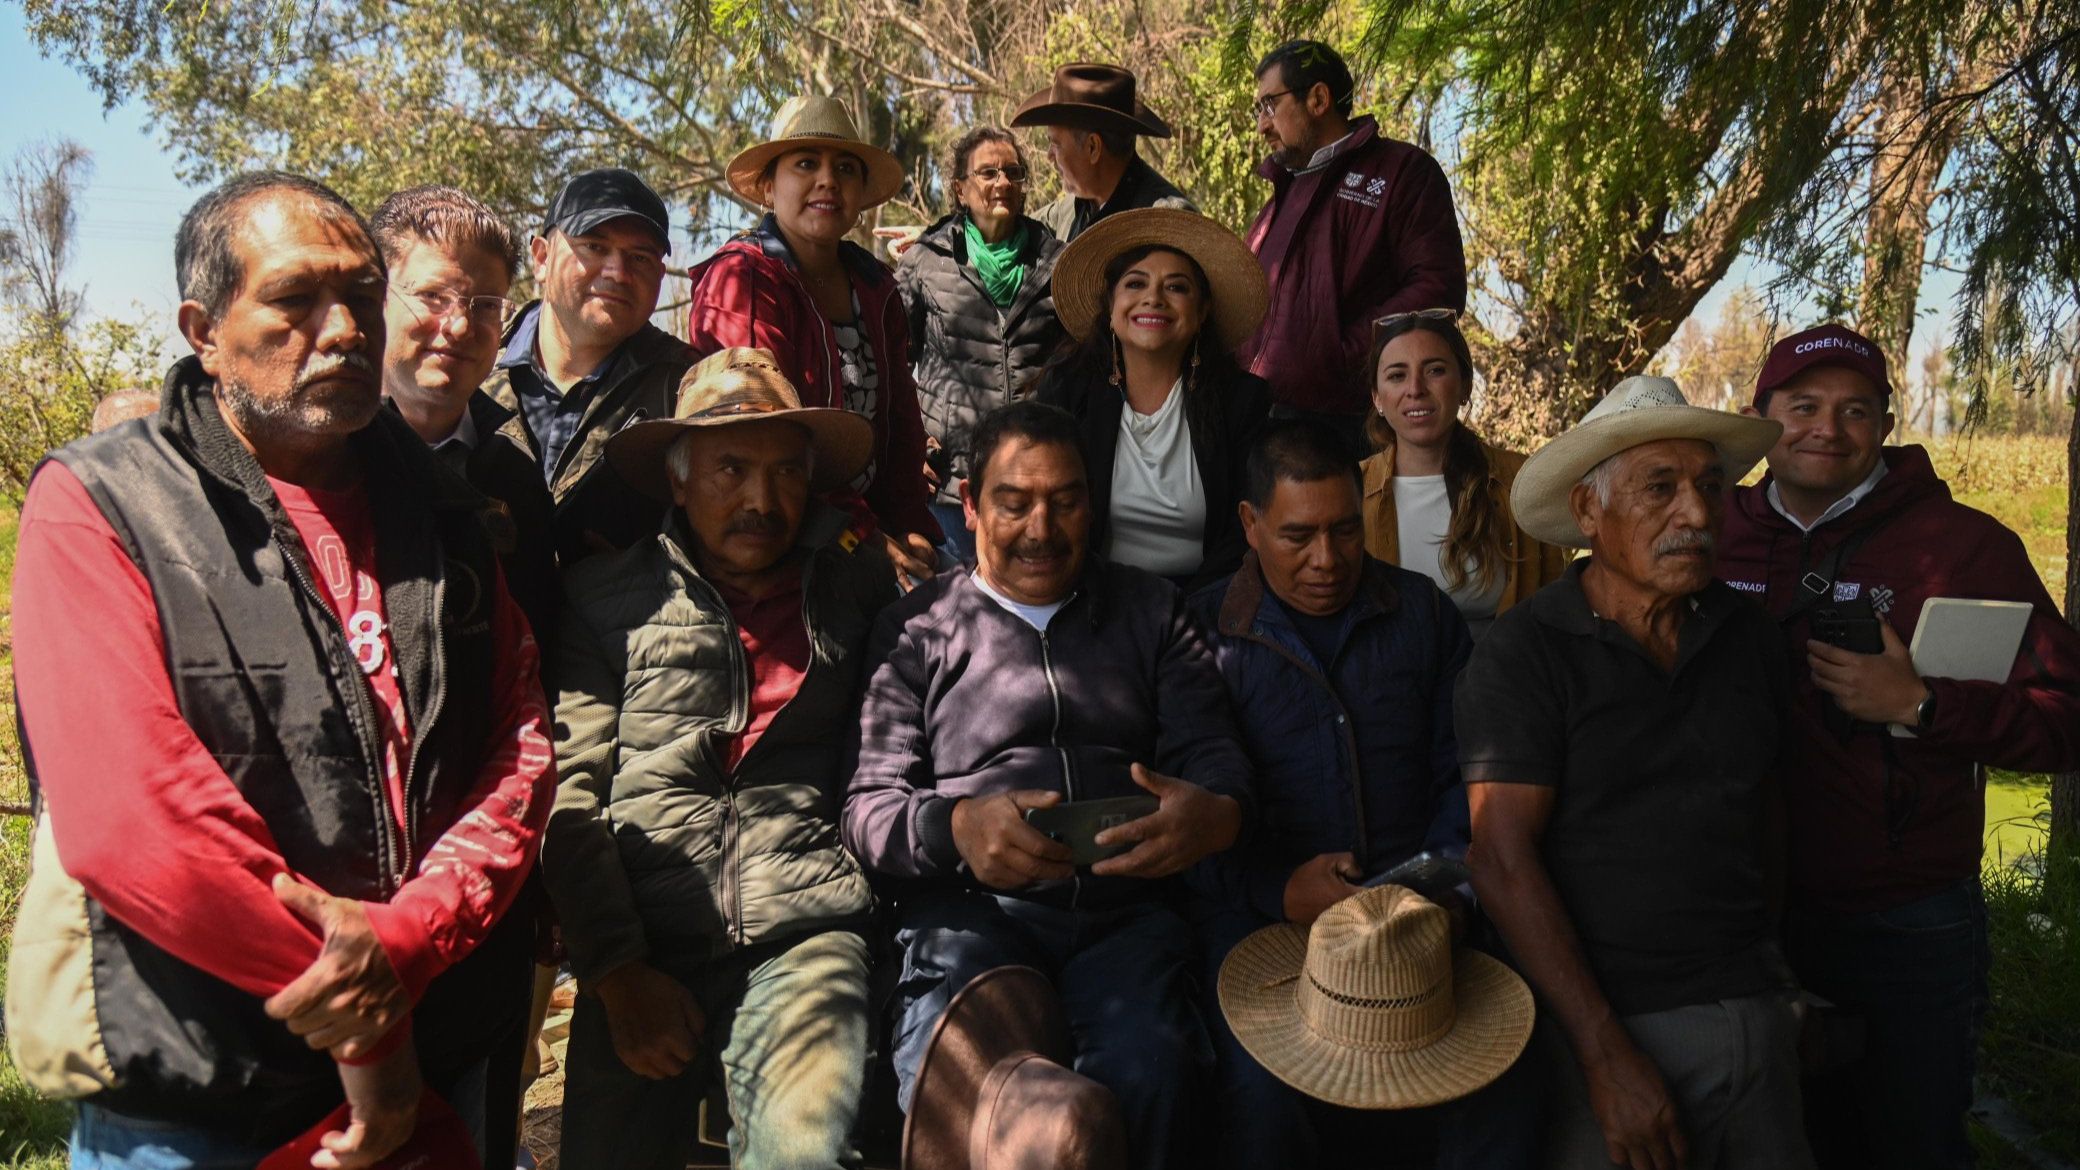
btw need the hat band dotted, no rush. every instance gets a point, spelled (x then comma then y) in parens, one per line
(731, 409)
(1392, 1024)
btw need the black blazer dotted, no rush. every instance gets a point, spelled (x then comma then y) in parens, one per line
(1224, 414)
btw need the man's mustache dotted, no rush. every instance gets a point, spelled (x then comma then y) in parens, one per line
(757, 524)
(1692, 540)
(1035, 549)
(333, 368)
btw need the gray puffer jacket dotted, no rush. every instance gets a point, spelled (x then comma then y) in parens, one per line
(656, 846)
(971, 356)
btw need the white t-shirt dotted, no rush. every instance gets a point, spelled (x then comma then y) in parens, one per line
(1036, 616)
(1158, 501)
(1423, 513)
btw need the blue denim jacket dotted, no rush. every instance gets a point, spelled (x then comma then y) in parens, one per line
(1353, 755)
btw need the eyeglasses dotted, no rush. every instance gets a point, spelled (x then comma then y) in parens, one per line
(437, 304)
(1266, 105)
(1418, 314)
(1012, 174)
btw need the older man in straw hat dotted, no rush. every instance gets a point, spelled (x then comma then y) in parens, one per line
(1617, 734)
(1093, 116)
(693, 856)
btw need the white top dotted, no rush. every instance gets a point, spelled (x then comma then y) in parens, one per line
(1423, 513)
(1158, 501)
(1840, 506)
(1036, 616)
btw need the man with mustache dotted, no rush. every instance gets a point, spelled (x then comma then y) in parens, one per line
(287, 726)
(584, 360)
(713, 919)
(1043, 678)
(1618, 734)
(1886, 919)
(1360, 226)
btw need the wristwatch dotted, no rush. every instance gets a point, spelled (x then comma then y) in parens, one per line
(1925, 713)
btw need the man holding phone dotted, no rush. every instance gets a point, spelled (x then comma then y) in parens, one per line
(1844, 541)
(1341, 670)
(1044, 679)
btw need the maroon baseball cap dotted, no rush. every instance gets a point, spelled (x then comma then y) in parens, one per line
(1828, 345)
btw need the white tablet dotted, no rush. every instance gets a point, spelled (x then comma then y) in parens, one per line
(1969, 639)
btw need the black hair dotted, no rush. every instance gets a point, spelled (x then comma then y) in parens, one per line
(1304, 64)
(206, 266)
(1028, 418)
(1297, 451)
(964, 147)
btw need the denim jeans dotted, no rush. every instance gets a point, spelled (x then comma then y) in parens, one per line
(1916, 975)
(786, 1023)
(1124, 976)
(960, 543)
(1262, 1121)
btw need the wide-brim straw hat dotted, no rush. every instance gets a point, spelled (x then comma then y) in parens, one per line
(732, 387)
(1371, 1009)
(1091, 96)
(1002, 1016)
(810, 121)
(1240, 293)
(1640, 409)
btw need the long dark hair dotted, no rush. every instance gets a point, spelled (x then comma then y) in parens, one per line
(1093, 358)
(1474, 546)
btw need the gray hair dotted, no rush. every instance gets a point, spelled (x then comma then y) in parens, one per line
(1602, 478)
(206, 266)
(678, 458)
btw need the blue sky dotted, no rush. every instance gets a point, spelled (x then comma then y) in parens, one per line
(135, 200)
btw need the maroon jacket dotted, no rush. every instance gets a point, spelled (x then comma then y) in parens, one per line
(1843, 857)
(749, 293)
(1369, 233)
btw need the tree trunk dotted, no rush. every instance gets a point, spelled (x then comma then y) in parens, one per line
(2065, 787)
(1909, 159)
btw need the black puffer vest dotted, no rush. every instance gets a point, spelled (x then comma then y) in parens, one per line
(263, 674)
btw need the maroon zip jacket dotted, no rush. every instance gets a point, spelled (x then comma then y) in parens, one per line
(1367, 234)
(1843, 856)
(749, 293)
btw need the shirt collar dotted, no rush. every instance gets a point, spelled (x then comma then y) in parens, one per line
(521, 346)
(1325, 155)
(464, 434)
(1855, 497)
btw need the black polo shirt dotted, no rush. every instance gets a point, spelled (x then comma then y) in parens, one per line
(1656, 839)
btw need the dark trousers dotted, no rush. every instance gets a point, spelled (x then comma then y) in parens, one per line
(1262, 1121)
(1916, 975)
(1124, 978)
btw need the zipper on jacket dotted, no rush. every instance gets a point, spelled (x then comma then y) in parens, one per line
(728, 863)
(422, 729)
(1350, 732)
(364, 703)
(1054, 737)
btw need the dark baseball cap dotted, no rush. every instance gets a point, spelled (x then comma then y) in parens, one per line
(596, 197)
(1828, 345)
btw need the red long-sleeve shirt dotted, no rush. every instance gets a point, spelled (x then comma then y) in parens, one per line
(148, 824)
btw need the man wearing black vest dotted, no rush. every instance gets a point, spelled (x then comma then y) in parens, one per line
(288, 728)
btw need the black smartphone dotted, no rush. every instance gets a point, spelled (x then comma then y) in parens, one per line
(1428, 874)
(1077, 824)
(1855, 630)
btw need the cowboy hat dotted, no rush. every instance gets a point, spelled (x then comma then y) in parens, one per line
(1371, 1008)
(1240, 294)
(734, 386)
(1640, 409)
(994, 1092)
(1091, 97)
(806, 122)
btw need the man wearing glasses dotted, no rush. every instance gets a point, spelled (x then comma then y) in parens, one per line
(1360, 226)
(451, 262)
(584, 360)
(981, 310)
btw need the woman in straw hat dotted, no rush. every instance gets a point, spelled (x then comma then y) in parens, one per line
(1436, 495)
(1157, 300)
(823, 306)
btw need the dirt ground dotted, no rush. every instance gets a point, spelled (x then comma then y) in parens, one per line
(542, 1129)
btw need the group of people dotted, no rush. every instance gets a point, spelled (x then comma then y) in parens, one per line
(420, 639)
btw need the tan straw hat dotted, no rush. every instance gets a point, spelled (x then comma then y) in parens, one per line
(734, 386)
(1240, 294)
(1372, 1009)
(810, 121)
(994, 1090)
(1640, 409)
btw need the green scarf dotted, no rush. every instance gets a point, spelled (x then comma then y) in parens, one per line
(997, 264)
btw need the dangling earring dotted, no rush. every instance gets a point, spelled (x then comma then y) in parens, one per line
(1117, 357)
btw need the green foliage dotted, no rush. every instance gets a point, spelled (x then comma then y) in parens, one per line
(50, 381)
(2030, 1051)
